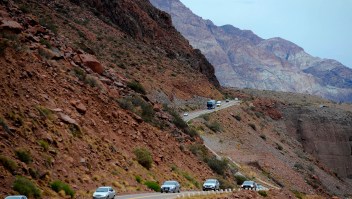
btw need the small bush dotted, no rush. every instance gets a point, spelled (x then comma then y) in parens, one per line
(23, 155)
(58, 186)
(215, 126)
(298, 194)
(44, 112)
(45, 43)
(9, 164)
(44, 144)
(263, 193)
(199, 150)
(25, 187)
(147, 112)
(138, 179)
(79, 73)
(153, 185)
(298, 166)
(240, 179)
(75, 130)
(253, 126)
(136, 86)
(125, 104)
(4, 125)
(218, 166)
(144, 157)
(191, 132)
(49, 24)
(238, 117)
(91, 81)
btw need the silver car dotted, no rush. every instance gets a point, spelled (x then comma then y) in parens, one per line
(16, 197)
(211, 184)
(249, 185)
(170, 187)
(104, 193)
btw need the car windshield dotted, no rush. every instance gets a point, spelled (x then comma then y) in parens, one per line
(210, 181)
(248, 183)
(13, 197)
(102, 189)
(169, 183)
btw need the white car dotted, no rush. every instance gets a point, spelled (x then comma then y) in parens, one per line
(185, 114)
(211, 184)
(16, 197)
(104, 193)
(170, 187)
(218, 103)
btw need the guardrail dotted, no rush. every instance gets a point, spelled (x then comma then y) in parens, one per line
(203, 193)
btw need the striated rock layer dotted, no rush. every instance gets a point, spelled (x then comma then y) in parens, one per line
(244, 60)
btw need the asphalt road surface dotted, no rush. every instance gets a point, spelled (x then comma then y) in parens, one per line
(157, 195)
(194, 114)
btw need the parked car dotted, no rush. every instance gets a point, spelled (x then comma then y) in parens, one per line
(249, 185)
(185, 114)
(104, 193)
(218, 103)
(16, 197)
(170, 187)
(211, 184)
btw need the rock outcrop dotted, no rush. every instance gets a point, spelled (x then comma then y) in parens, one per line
(244, 60)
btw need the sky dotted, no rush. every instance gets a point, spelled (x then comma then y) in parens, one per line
(322, 27)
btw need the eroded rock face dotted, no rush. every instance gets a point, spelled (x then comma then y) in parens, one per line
(244, 60)
(325, 133)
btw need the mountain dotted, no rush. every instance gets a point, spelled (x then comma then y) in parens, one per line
(88, 98)
(244, 60)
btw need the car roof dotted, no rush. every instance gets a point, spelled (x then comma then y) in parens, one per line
(104, 187)
(16, 196)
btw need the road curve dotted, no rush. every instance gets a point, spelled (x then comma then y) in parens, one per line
(158, 195)
(194, 114)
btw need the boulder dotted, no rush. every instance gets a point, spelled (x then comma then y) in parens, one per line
(91, 62)
(8, 24)
(67, 119)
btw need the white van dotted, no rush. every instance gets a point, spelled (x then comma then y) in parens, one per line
(218, 103)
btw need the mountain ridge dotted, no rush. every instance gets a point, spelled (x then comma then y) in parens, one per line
(244, 60)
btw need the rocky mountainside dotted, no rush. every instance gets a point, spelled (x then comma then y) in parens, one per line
(244, 60)
(86, 99)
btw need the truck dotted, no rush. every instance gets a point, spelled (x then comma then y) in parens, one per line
(211, 104)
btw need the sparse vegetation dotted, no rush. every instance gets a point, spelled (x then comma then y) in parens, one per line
(279, 147)
(23, 155)
(4, 125)
(298, 166)
(45, 43)
(9, 164)
(91, 81)
(240, 179)
(263, 193)
(136, 86)
(152, 185)
(58, 186)
(79, 73)
(298, 194)
(218, 166)
(44, 112)
(49, 24)
(25, 187)
(44, 144)
(75, 130)
(144, 157)
(138, 179)
(214, 126)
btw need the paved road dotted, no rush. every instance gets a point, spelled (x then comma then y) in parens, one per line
(194, 114)
(158, 195)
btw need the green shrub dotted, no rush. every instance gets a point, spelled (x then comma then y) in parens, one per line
(75, 130)
(45, 43)
(44, 112)
(125, 104)
(23, 155)
(218, 166)
(298, 194)
(44, 144)
(199, 150)
(49, 24)
(144, 157)
(225, 184)
(253, 126)
(240, 179)
(91, 81)
(263, 193)
(58, 186)
(215, 126)
(191, 132)
(138, 179)
(298, 166)
(9, 164)
(4, 125)
(136, 86)
(25, 187)
(79, 73)
(147, 112)
(153, 185)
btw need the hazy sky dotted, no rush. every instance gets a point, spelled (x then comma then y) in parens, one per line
(322, 27)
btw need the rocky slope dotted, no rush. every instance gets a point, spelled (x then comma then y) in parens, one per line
(244, 60)
(81, 92)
